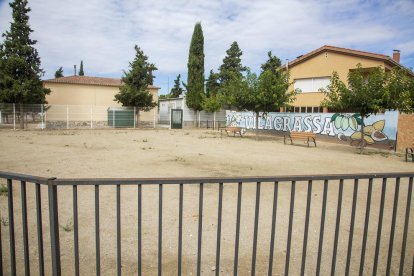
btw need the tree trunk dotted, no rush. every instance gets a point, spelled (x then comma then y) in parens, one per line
(257, 125)
(195, 118)
(21, 116)
(362, 142)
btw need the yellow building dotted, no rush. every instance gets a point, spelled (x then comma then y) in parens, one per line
(312, 71)
(80, 94)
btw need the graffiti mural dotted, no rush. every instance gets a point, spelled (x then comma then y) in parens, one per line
(346, 126)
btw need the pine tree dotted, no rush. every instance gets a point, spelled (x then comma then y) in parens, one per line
(134, 92)
(272, 64)
(59, 73)
(195, 81)
(20, 75)
(231, 64)
(212, 84)
(81, 73)
(176, 91)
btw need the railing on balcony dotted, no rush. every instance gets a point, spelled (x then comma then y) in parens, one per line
(394, 258)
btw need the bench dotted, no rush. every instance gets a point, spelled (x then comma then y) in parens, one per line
(235, 130)
(408, 152)
(306, 136)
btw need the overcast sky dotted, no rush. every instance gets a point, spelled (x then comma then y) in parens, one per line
(103, 33)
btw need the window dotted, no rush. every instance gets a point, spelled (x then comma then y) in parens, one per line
(297, 109)
(311, 84)
(303, 109)
(309, 109)
(316, 109)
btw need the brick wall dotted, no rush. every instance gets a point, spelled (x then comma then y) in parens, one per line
(405, 132)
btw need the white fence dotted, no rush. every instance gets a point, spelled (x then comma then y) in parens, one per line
(38, 116)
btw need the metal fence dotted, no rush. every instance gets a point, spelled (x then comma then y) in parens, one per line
(39, 116)
(361, 224)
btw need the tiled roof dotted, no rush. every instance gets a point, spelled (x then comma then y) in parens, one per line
(345, 51)
(90, 81)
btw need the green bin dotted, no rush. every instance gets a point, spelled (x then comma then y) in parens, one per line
(120, 117)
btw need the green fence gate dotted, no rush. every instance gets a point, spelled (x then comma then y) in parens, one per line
(176, 118)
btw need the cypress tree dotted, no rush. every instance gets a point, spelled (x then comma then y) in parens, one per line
(20, 75)
(195, 81)
(81, 73)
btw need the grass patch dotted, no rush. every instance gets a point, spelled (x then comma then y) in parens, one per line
(68, 227)
(3, 190)
(4, 221)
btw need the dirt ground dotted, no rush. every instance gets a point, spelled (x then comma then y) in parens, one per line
(198, 153)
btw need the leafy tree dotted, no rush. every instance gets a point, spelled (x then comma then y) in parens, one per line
(266, 93)
(81, 73)
(213, 103)
(20, 69)
(134, 92)
(176, 91)
(163, 96)
(232, 65)
(59, 73)
(212, 84)
(399, 91)
(195, 81)
(367, 93)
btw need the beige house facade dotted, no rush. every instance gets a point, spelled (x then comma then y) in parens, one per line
(313, 71)
(80, 94)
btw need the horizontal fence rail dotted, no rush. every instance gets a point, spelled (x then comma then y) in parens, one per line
(352, 224)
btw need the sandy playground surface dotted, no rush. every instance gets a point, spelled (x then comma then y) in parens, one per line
(197, 153)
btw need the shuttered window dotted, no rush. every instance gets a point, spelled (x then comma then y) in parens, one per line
(311, 84)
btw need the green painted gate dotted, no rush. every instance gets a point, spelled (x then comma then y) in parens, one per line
(176, 118)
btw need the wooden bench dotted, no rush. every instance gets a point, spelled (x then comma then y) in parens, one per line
(235, 130)
(306, 136)
(408, 152)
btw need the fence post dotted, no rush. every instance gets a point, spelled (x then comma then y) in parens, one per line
(14, 116)
(91, 116)
(135, 116)
(54, 227)
(154, 117)
(113, 118)
(41, 109)
(67, 116)
(214, 120)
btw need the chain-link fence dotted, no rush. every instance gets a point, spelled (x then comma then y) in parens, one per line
(39, 116)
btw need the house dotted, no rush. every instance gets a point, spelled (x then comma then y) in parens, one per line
(312, 71)
(80, 94)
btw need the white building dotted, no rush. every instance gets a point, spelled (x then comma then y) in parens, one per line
(203, 119)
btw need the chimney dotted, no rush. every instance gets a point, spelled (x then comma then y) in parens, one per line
(396, 55)
(74, 66)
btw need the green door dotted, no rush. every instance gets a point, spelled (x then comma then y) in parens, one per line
(176, 118)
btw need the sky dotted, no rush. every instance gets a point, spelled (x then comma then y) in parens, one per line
(103, 33)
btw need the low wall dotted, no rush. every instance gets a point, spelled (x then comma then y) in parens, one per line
(405, 136)
(379, 130)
